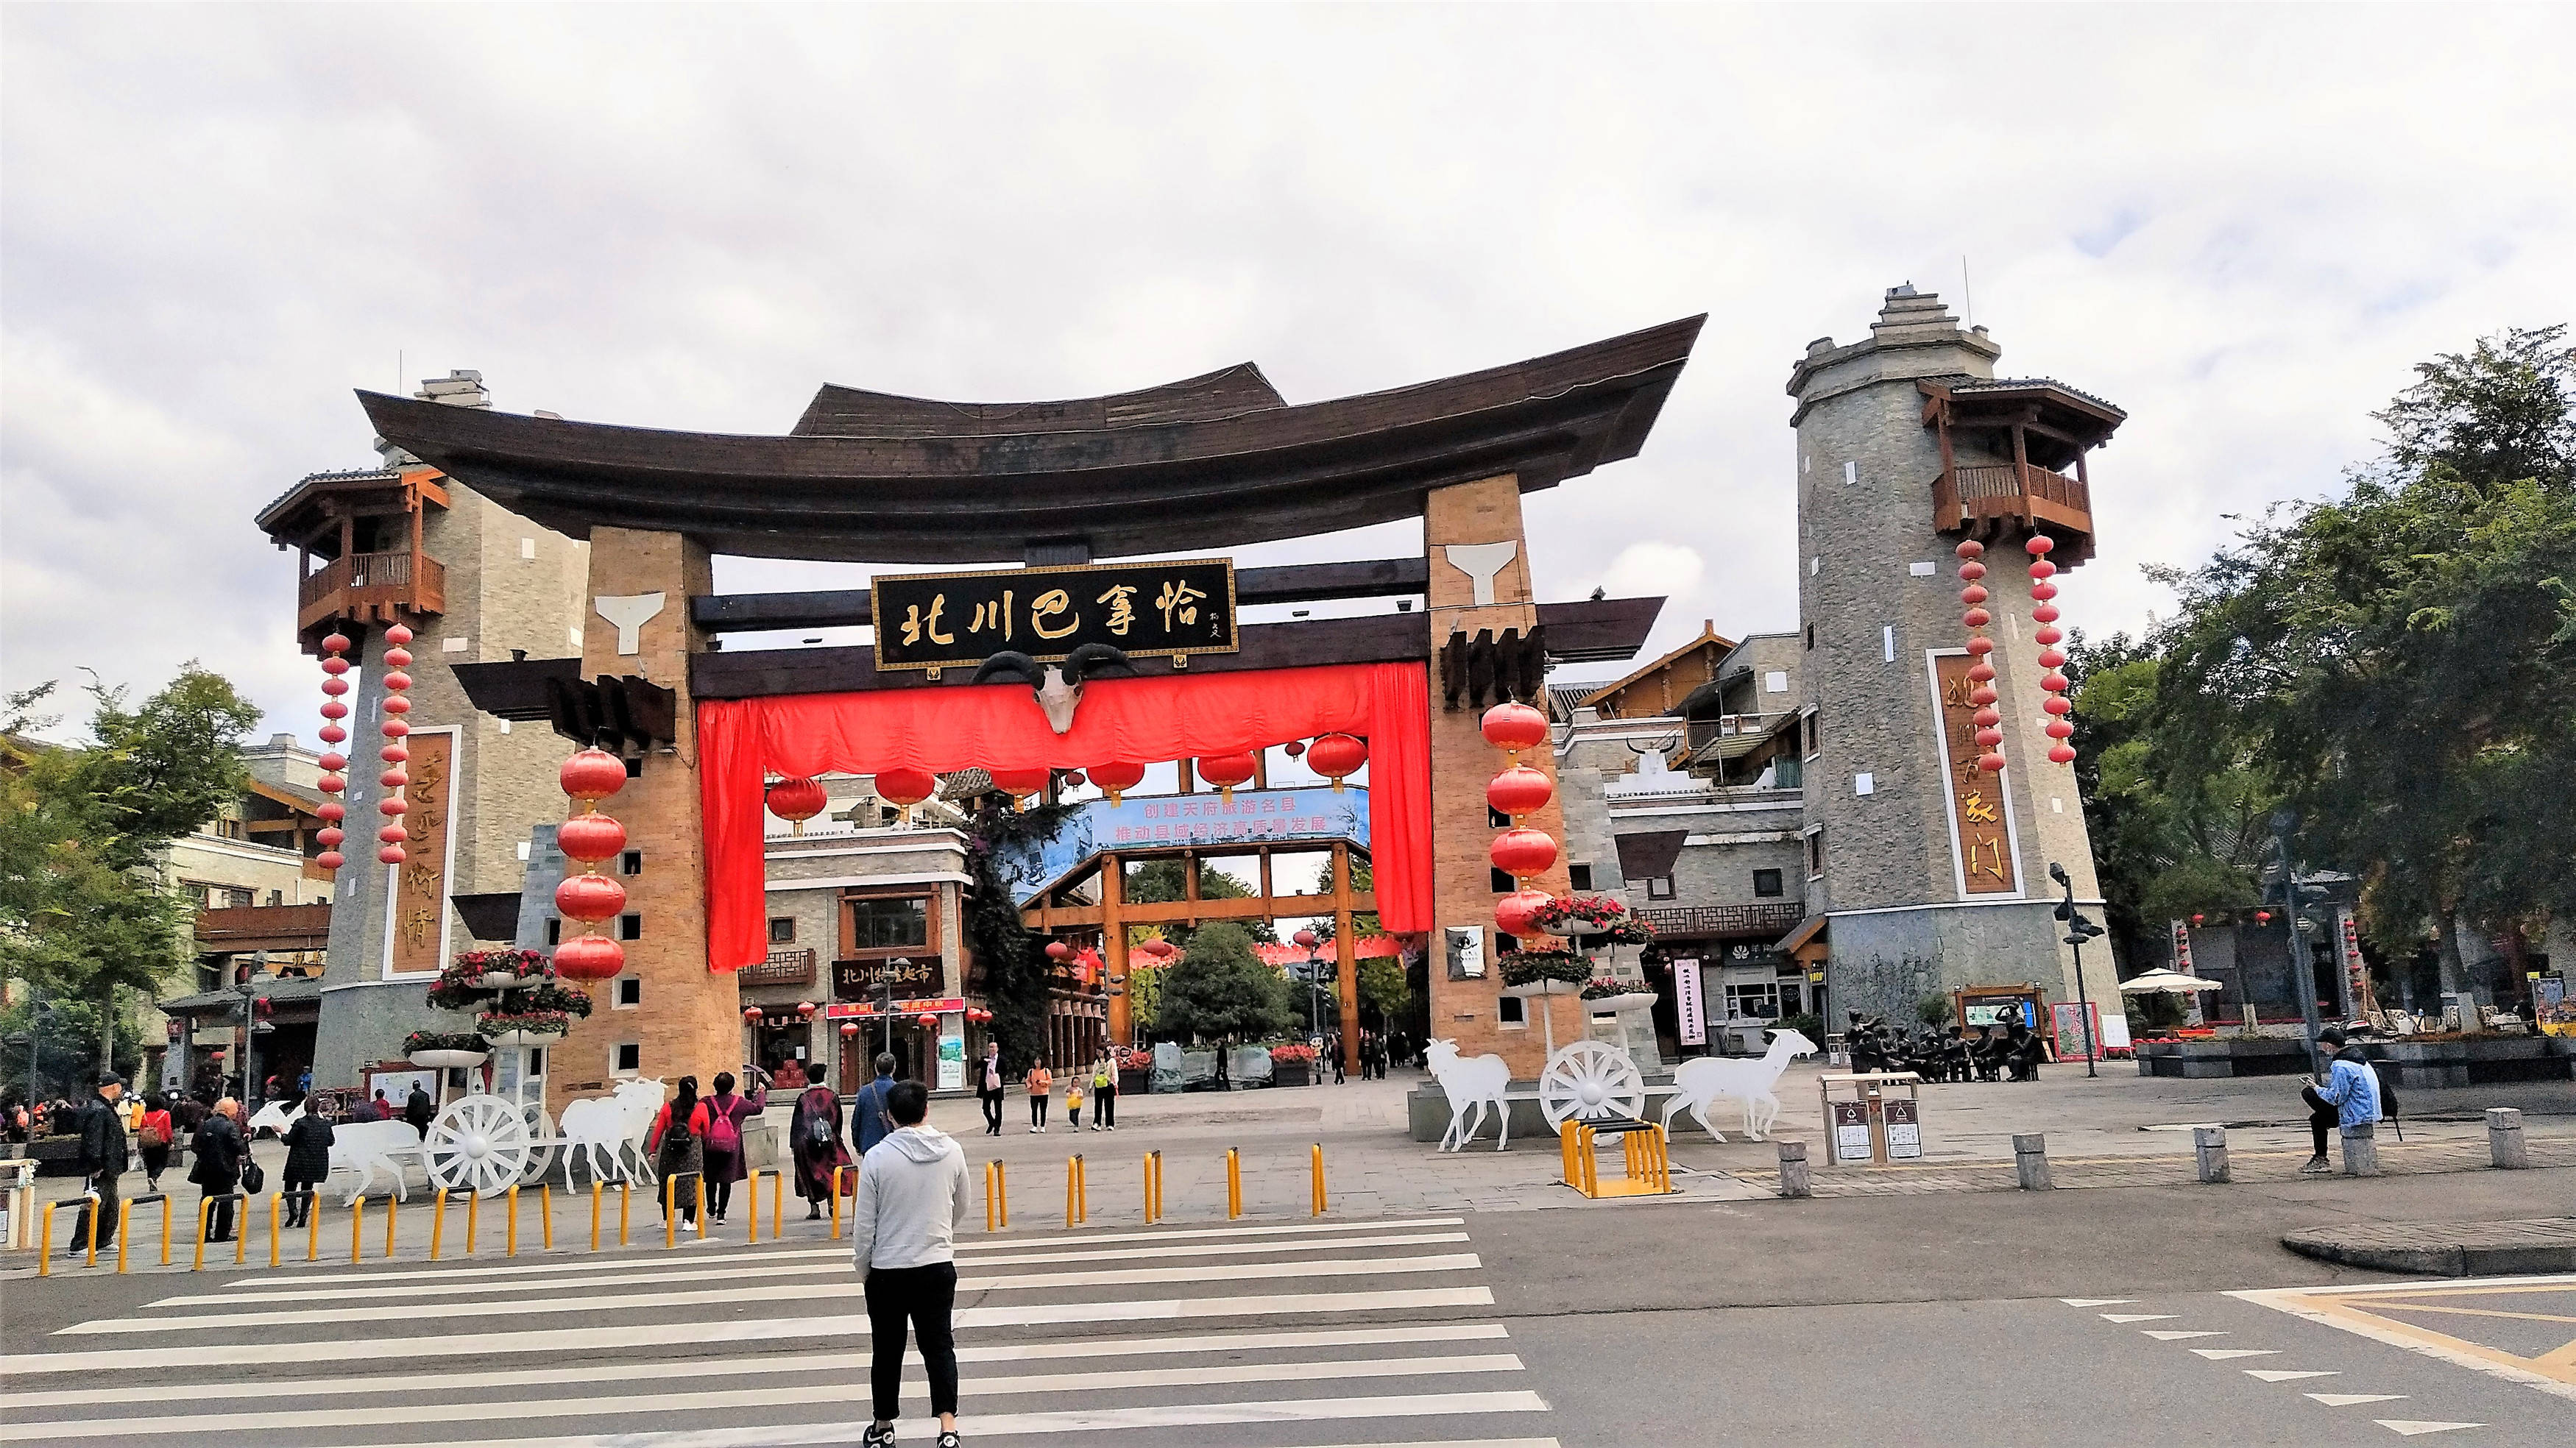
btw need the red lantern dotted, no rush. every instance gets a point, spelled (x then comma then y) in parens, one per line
(2061, 754)
(2053, 683)
(335, 688)
(2043, 570)
(1306, 939)
(1059, 951)
(2057, 704)
(1981, 645)
(1117, 778)
(1972, 570)
(1225, 771)
(390, 855)
(1514, 727)
(1972, 595)
(2196, 919)
(1522, 852)
(2043, 590)
(1073, 779)
(393, 804)
(1983, 695)
(2262, 917)
(591, 776)
(1989, 716)
(905, 787)
(1512, 912)
(929, 1018)
(849, 1029)
(1981, 672)
(337, 643)
(1978, 618)
(590, 838)
(2046, 636)
(1519, 790)
(1020, 781)
(2040, 545)
(1971, 548)
(392, 835)
(590, 898)
(2046, 613)
(1991, 763)
(2051, 659)
(329, 837)
(1337, 757)
(796, 801)
(805, 1009)
(398, 636)
(1990, 737)
(2058, 729)
(589, 957)
(1293, 748)
(1158, 949)
(330, 859)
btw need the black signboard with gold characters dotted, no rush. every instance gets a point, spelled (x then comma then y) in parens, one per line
(947, 620)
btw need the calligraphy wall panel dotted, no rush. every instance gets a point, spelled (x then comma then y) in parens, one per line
(421, 883)
(1981, 843)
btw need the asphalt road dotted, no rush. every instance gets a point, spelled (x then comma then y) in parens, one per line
(1898, 1319)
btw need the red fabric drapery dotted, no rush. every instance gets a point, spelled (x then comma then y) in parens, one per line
(1144, 721)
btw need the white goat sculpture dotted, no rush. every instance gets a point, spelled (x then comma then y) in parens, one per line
(1701, 1080)
(612, 1126)
(1470, 1083)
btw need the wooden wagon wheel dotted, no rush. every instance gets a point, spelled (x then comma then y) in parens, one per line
(478, 1144)
(1590, 1081)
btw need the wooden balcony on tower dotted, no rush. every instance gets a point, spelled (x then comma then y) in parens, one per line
(2013, 459)
(357, 538)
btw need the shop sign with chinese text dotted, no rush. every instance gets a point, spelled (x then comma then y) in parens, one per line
(418, 941)
(1981, 833)
(1253, 817)
(861, 979)
(947, 620)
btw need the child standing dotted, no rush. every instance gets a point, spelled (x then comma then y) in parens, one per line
(1073, 1099)
(1039, 1083)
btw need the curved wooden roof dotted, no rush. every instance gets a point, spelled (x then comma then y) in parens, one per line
(1199, 465)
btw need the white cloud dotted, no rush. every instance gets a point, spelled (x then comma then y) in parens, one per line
(2242, 225)
(1645, 570)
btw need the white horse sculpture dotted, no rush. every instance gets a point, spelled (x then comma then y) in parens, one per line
(608, 1132)
(1470, 1083)
(1702, 1079)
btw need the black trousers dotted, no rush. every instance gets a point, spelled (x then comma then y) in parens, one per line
(1104, 1107)
(925, 1297)
(107, 1209)
(1037, 1108)
(992, 1113)
(2322, 1116)
(219, 1224)
(299, 1199)
(719, 1182)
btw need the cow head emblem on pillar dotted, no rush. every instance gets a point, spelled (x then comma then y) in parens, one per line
(1058, 686)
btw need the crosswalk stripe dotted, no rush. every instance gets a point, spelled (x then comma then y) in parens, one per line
(558, 1341)
(1143, 1276)
(720, 1400)
(780, 1364)
(1003, 1425)
(971, 1247)
(834, 1263)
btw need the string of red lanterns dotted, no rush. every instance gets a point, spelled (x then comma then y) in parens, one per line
(2043, 592)
(332, 783)
(590, 837)
(392, 803)
(1981, 669)
(1520, 851)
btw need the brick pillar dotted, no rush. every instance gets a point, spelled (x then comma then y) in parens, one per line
(689, 1020)
(1466, 515)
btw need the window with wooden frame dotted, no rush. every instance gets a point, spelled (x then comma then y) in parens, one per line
(876, 924)
(782, 930)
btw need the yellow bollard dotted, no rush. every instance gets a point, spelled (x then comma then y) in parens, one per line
(96, 1216)
(1149, 1189)
(389, 1227)
(510, 1235)
(670, 1212)
(1158, 1184)
(1318, 1159)
(204, 1205)
(473, 1218)
(991, 1202)
(312, 1225)
(598, 1197)
(124, 1231)
(45, 1246)
(275, 1254)
(1233, 1183)
(751, 1200)
(777, 1205)
(241, 1238)
(702, 1206)
(836, 1198)
(625, 1204)
(1072, 1170)
(546, 1214)
(165, 1230)
(357, 1227)
(437, 1221)
(1002, 1180)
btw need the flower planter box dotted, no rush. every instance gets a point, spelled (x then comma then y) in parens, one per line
(1135, 1082)
(446, 1060)
(1289, 1073)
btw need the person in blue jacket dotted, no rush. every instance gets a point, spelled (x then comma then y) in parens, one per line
(2350, 1096)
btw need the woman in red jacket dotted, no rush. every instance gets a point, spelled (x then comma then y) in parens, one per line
(678, 1143)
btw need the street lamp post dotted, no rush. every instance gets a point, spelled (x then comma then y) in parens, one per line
(248, 990)
(2078, 930)
(1314, 963)
(2303, 970)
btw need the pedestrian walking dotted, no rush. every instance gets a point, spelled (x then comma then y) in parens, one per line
(154, 1133)
(2350, 1097)
(1338, 1077)
(815, 1134)
(903, 1229)
(990, 1086)
(102, 1158)
(726, 1113)
(216, 1151)
(1073, 1098)
(678, 1143)
(308, 1161)
(418, 1109)
(1104, 1095)
(1039, 1082)
(869, 1122)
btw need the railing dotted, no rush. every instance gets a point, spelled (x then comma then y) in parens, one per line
(368, 586)
(1703, 732)
(1723, 919)
(783, 967)
(1990, 491)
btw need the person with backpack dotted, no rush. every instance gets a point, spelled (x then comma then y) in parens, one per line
(1039, 1082)
(1104, 1095)
(678, 1143)
(2351, 1097)
(815, 1134)
(869, 1122)
(724, 1154)
(903, 1231)
(153, 1133)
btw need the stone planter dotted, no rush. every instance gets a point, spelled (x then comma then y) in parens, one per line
(2470, 1061)
(448, 1060)
(527, 1038)
(1289, 1073)
(1632, 1001)
(2206, 1059)
(1135, 1082)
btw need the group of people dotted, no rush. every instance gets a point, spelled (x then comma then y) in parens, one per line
(1094, 1086)
(218, 1150)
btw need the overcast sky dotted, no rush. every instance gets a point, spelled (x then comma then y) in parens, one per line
(2242, 225)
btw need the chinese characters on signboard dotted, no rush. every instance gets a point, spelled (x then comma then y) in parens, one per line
(1252, 817)
(859, 979)
(1688, 1008)
(1986, 861)
(420, 882)
(938, 620)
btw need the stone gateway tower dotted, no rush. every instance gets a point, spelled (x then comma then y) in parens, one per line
(1927, 874)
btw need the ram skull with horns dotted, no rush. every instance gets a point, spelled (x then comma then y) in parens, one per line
(1058, 686)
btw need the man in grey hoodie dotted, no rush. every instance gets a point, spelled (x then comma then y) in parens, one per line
(912, 1199)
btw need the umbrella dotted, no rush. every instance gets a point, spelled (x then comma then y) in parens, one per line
(2165, 981)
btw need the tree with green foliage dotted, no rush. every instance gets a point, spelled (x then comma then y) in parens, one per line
(1382, 988)
(2399, 665)
(83, 912)
(1220, 992)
